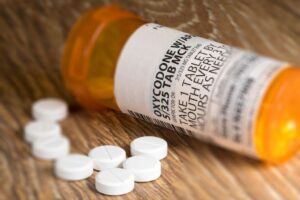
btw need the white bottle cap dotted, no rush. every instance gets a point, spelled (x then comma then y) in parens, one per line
(74, 167)
(49, 109)
(145, 168)
(52, 148)
(107, 156)
(149, 145)
(114, 181)
(41, 130)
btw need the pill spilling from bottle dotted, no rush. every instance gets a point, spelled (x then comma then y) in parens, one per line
(117, 173)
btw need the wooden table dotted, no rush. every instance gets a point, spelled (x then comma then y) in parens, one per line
(32, 34)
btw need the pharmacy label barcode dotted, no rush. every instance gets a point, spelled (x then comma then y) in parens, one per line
(160, 123)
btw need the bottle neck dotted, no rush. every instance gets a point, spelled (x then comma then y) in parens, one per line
(91, 53)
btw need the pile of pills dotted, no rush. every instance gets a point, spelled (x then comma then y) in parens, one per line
(117, 172)
(44, 133)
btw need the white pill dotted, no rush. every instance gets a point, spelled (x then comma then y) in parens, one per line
(145, 168)
(52, 148)
(149, 145)
(41, 130)
(107, 156)
(49, 109)
(114, 181)
(74, 167)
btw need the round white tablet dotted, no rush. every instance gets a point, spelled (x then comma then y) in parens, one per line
(107, 156)
(41, 130)
(114, 181)
(149, 145)
(52, 148)
(74, 167)
(49, 109)
(145, 168)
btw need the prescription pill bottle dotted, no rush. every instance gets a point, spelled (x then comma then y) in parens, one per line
(230, 97)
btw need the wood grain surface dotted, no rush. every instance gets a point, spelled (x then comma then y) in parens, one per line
(32, 34)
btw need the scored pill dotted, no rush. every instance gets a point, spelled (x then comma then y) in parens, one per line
(49, 109)
(145, 168)
(107, 156)
(41, 130)
(74, 167)
(114, 181)
(52, 148)
(149, 145)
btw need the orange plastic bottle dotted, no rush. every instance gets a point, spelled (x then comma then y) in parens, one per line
(103, 40)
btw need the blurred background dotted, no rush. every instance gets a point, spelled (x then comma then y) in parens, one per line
(32, 35)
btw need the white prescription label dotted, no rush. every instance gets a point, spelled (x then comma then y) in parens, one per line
(193, 85)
